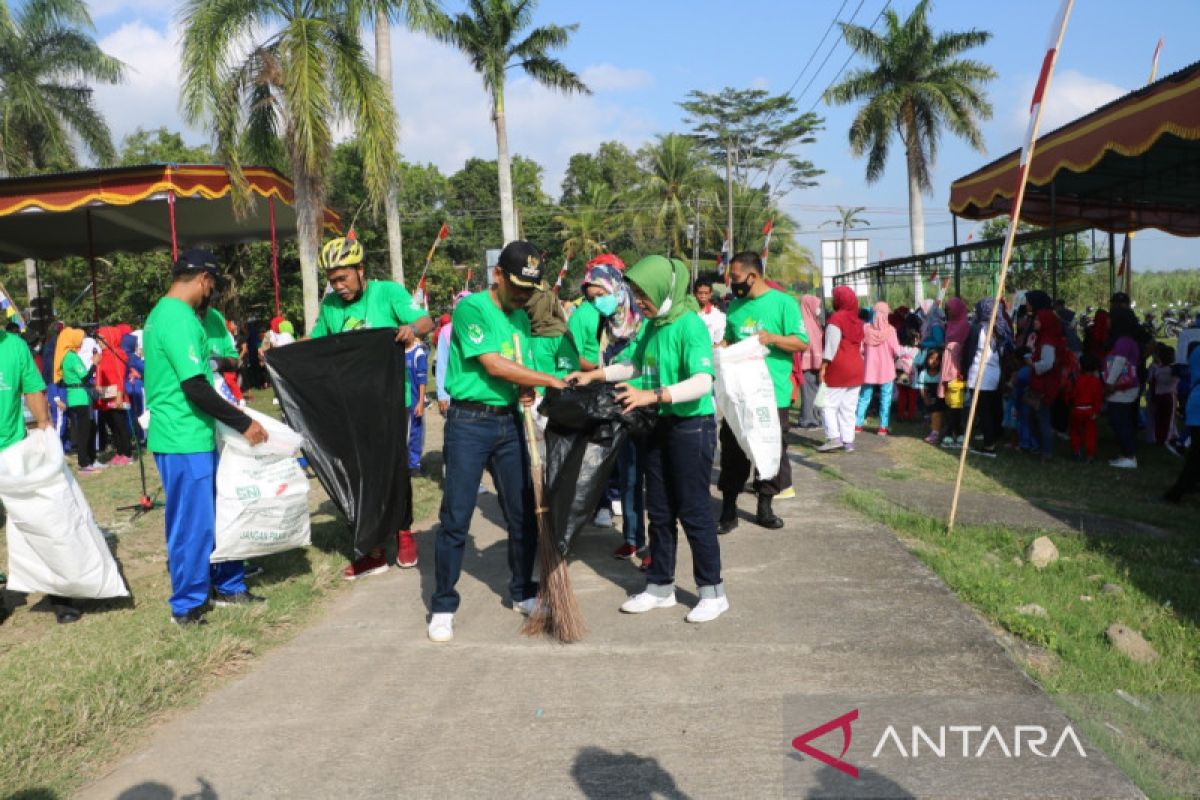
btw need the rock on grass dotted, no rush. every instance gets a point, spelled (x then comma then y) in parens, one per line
(1041, 552)
(1130, 643)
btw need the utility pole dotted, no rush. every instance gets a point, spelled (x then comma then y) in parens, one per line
(729, 197)
(696, 246)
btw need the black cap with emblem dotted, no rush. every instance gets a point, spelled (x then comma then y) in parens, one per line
(522, 263)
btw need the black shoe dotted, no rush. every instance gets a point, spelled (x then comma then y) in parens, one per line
(765, 516)
(64, 610)
(193, 617)
(237, 599)
(729, 519)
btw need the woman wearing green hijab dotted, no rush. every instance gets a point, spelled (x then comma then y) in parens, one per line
(673, 361)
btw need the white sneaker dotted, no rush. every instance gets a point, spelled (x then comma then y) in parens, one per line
(441, 628)
(526, 606)
(787, 494)
(708, 609)
(604, 518)
(1123, 463)
(617, 508)
(644, 601)
(830, 445)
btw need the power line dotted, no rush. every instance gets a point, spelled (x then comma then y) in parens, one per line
(849, 58)
(808, 85)
(817, 49)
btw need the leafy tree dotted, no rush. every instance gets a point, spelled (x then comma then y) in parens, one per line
(48, 64)
(487, 34)
(915, 86)
(160, 146)
(585, 228)
(613, 165)
(271, 80)
(754, 135)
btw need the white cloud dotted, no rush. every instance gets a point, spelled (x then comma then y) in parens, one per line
(610, 78)
(445, 115)
(150, 95)
(1072, 95)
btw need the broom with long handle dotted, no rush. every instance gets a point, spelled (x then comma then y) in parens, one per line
(557, 612)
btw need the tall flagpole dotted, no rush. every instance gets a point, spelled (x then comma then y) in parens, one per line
(1035, 120)
(1127, 250)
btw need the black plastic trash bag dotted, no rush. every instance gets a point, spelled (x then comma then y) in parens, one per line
(346, 395)
(586, 432)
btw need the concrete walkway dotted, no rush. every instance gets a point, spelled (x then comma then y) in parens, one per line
(827, 614)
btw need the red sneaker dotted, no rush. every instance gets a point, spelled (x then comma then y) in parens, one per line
(858, 428)
(882, 431)
(364, 567)
(625, 551)
(645, 565)
(406, 552)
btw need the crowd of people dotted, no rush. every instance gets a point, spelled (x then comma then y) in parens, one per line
(1039, 379)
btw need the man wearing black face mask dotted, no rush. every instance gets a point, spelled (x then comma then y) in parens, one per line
(774, 317)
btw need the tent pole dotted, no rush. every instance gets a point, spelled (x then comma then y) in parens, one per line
(957, 258)
(274, 251)
(171, 220)
(92, 265)
(1112, 263)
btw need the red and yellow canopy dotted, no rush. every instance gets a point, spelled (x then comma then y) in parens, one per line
(129, 209)
(1132, 164)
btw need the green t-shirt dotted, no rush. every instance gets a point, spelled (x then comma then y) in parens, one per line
(18, 376)
(668, 354)
(553, 355)
(627, 353)
(773, 312)
(584, 325)
(220, 341)
(383, 304)
(480, 327)
(74, 373)
(175, 347)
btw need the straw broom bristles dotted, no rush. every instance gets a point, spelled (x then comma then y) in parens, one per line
(556, 612)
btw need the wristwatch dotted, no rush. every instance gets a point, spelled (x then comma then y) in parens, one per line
(658, 396)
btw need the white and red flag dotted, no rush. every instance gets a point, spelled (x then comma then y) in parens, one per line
(766, 251)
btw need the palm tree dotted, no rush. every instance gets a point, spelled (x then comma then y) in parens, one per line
(585, 227)
(677, 177)
(847, 220)
(271, 79)
(915, 86)
(48, 61)
(487, 35)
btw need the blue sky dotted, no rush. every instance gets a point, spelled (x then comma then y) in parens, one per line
(641, 57)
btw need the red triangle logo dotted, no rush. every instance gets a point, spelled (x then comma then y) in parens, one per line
(801, 743)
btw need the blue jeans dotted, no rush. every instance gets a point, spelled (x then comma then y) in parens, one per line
(1045, 428)
(189, 481)
(632, 478)
(475, 440)
(885, 403)
(679, 460)
(416, 439)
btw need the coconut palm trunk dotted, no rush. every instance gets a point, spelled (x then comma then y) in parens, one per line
(916, 209)
(309, 218)
(391, 203)
(508, 222)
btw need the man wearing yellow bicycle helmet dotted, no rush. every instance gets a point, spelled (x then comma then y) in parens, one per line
(358, 303)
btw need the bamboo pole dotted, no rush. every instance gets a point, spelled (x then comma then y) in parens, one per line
(1039, 93)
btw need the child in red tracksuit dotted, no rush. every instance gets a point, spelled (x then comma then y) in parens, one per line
(1085, 408)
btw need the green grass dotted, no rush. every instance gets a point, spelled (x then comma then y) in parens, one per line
(73, 698)
(1158, 746)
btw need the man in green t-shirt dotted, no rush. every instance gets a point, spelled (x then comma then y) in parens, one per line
(486, 379)
(184, 409)
(357, 303)
(774, 318)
